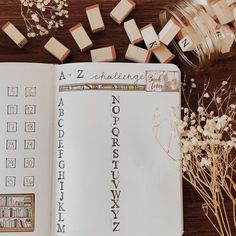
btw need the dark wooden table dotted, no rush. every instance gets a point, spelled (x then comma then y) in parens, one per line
(147, 12)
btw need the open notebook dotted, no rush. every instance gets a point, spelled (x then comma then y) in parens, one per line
(78, 153)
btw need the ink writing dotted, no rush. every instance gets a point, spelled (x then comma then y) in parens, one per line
(115, 173)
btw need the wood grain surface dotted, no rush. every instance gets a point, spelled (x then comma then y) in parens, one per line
(195, 223)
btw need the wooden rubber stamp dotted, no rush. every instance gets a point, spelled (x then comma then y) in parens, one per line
(223, 12)
(95, 18)
(150, 37)
(137, 54)
(57, 49)
(133, 32)
(209, 10)
(234, 12)
(163, 54)
(208, 20)
(81, 37)
(15, 34)
(230, 2)
(170, 30)
(189, 30)
(122, 10)
(186, 44)
(226, 38)
(106, 54)
(204, 23)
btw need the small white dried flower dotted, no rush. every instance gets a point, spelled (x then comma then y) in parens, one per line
(40, 16)
(186, 118)
(188, 157)
(205, 162)
(35, 17)
(193, 115)
(199, 129)
(218, 100)
(46, 2)
(233, 106)
(186, 110)
(203, 118)
(207, 139)
(200, 110)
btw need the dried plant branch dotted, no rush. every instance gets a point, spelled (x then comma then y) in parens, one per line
(208, 143)
(40, 16)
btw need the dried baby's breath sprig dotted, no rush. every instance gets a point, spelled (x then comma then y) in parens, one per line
(208, 142)
(40, 16)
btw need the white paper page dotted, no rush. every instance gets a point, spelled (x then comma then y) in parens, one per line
(106, 131)
(26, 108)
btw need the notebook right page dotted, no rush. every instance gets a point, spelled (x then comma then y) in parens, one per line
(113, 174)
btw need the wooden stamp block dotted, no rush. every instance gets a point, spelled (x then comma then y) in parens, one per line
(223, 12)
(95, 18)
(14, 34)
(57, 49)
(230, 2)
(181, 34)
(122, 10)
(201, 25)
(193, 34)
(107, 54)
(191, 12)
(208, 20)
(186, 44)
(209, 10)
(170, 30)
(234, 12)
(163, 54)
(133, 32)
(81, 37)
(205, 23)
(137, 54)
(150, 37)
(189, 30)
(226, 38)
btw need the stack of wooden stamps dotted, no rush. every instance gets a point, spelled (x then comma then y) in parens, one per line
(219, 14)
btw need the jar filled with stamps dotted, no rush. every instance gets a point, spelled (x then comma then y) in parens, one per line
(208, 30)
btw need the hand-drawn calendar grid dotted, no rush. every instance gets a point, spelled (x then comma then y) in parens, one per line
(28, 129)
(17, 210)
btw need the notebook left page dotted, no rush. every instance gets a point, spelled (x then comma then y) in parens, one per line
(26, 100)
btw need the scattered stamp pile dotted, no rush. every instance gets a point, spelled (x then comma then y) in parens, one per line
(220, 14)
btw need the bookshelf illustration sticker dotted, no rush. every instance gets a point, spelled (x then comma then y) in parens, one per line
(17, 212)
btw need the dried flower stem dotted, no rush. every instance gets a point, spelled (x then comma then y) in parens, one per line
(207, 141)
(40, 16)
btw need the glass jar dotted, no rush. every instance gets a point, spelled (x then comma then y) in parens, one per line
(210, 27)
